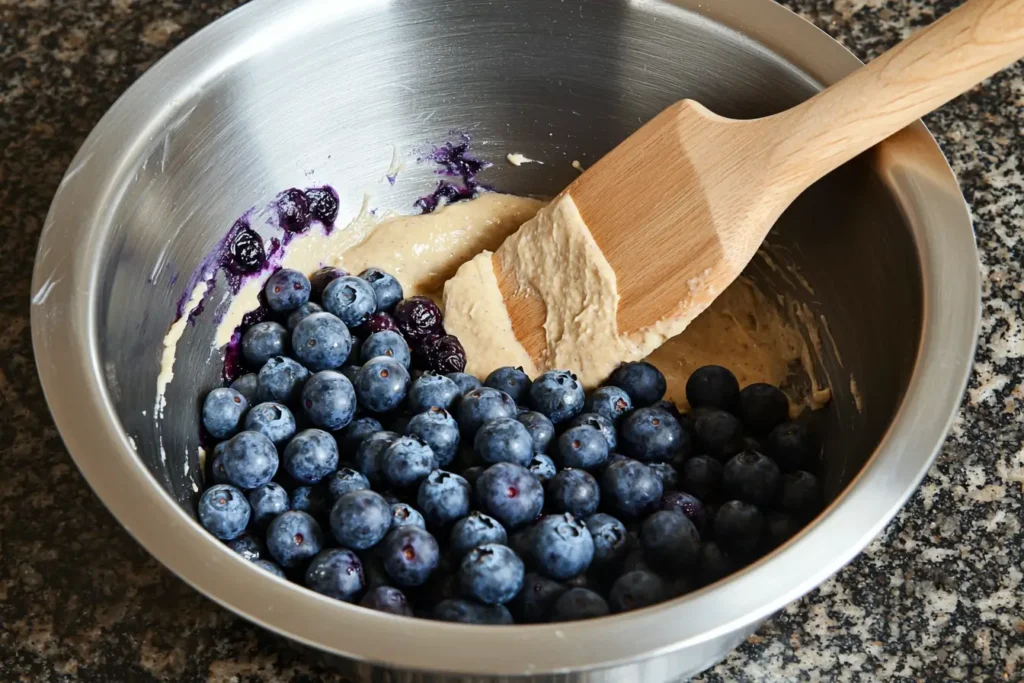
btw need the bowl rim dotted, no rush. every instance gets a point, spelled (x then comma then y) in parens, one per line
(64, 334)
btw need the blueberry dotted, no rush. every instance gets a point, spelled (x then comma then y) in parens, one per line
(438, 430)
(712, 386)
(381, 384)
(267, 502)
(471, 474)
(468, 612)
(354, 434)
(578, 603)
(465, 382)
(386, 343)
(738, 528)
(403, 514)
(687, 504)
(561, 546)
(222, 412)
(319, 280)
(668, 475)
(473, 531)
(670, 540)
(652, 435)
(642, 381)
(801, 495)
(337, 573)
(542, 467)
(719, 434)
(701, 476)
(410, 555)
(321, 341)
(541, 429)
(378, 322)
(280, 380)
(272, 420)
(714, 563)
(491, 574)
(503, 440)
(521, 542)
(406, 461)
(247, 252)
(370, 454)
(360, 519)
(313, 500)
(669, 407)
(630, 487)
(443, 497)
(250, 460)
(418, 318)
(345, 481)
(513, 381)
(432, 391)
(328, 400)
(574, 491)
(310, 456)
(510, 494)
(558, 395)
(779, 527)
(636, 590)
(609, 402)
(293, 210)
(762, 407)
(601, 424)
(386, 288)
(323, 204)
(443, 354)
(611, 540)
(246, 386)
(294, 538)
(350, 298)
(752, 477)
(301, 313)
(537, 597)
(792, 446)
(636, 562)
(583, 447)
(286, 290)
(272, 567)
(481, 406)
(263, 341)
(250, 547)
(224, 511)
(351, 371)
(387, 599)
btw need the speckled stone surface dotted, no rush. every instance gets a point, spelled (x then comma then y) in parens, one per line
(939, 596)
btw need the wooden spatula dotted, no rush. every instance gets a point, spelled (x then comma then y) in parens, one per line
(691, 195)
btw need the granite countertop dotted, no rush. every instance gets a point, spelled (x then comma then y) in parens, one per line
(939, 596)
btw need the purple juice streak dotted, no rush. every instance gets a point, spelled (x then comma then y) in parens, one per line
(455, 161)
(234, 363)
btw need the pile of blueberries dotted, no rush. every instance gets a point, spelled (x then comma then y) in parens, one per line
(372, 469)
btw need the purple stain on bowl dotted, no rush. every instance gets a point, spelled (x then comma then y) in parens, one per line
(455, 161)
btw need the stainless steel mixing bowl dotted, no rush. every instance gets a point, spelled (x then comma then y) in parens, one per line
(279, 92)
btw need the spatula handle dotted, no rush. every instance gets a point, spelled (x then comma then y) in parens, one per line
(919, 75)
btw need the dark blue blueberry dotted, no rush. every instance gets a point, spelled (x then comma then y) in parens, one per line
(272, 420)
(636, 562)
(481, 406)
(534, 602)
(387, 599)
(293, 210)
(418, 318)
(294, 538)
(712, 386)
(558, 395)
(403, 514)
(354, 434)
(601, 424)
(792, 446)
(561, 546)
(319, 280)
(351, 371)
(222, 412)
(611, 541)
(280, 380)
(442, 354)
(671, 541)
(378, 322)
(503, 440)
(609, 402)
(247, 252)
(301, 313)
(719, 434)
(542, 467)
(272, 567)
(321, 342)
(779, 527)
(473, 531)
(513, 381)
(406, 462)
(574, 491)
(386, 288)
(250, 460)
(310, 456)
(801, 495)
(465, 382)
(410, 556)
(263, 341)
(323, 204)
(469, 612)
(583, 447)
(360, 519)
(471, 474)
(541, 429)
(520, 541)
(328, 400)
(687, 504)
(668, 475)
(752, 477)
(370, 454)
(510, 493)
(702, 477)
(350, 298)
(738, 529)
(337, 573)
(443, 497)
(345, 481)
(432, 391)
(578, 603)
(381, 384)
(267, 502)
(246, 385)
(630, 487)
(636, 590)
(642, 381)
(652, 435)
(386, 343)
(438, 430)
(670, 407)
(713, 563)
(250, 547)
(399, 422)
(286, 290)
(491, 574)
(313, 500)
(224, 511)
(762, 407)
